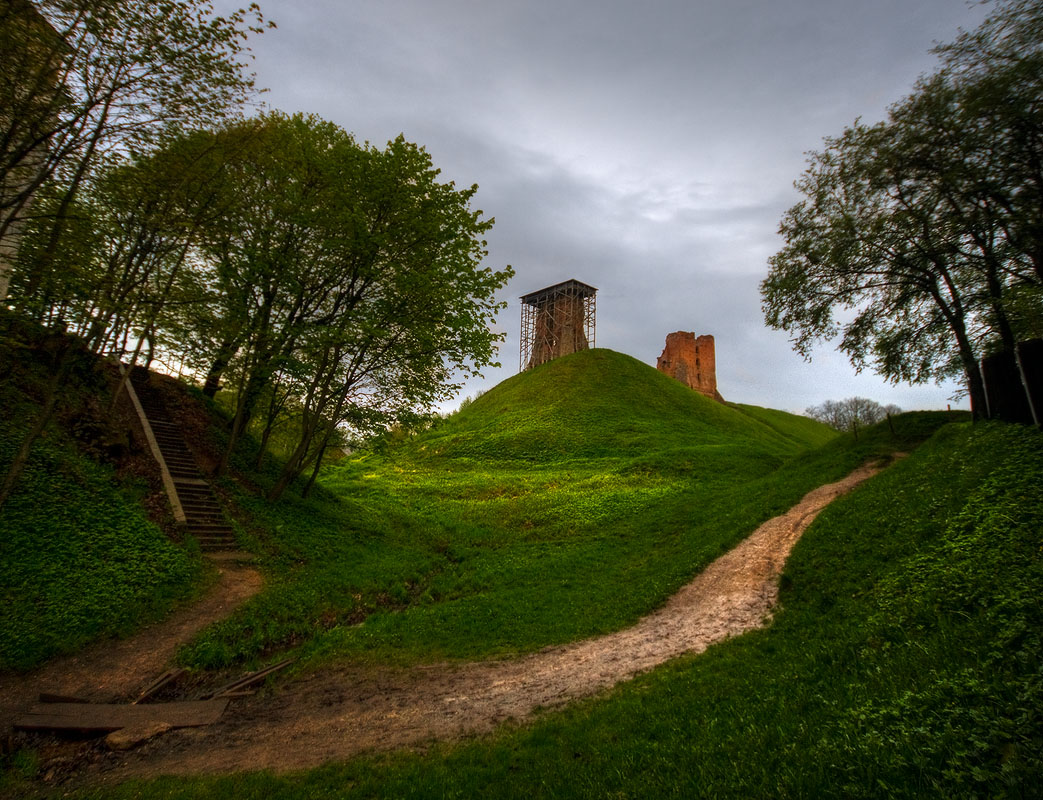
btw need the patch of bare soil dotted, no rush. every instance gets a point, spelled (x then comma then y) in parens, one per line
(117, 670)
(335, 715)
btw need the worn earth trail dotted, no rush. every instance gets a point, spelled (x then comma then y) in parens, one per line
(334, 715)
(115, 670)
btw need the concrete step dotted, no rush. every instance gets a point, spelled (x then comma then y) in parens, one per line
(205, 518)
(210, 529)
(216, 544)
(200, 512)
(183, 463)
(203, 512)
(191, 490)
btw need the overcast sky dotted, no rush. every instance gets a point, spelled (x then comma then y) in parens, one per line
(648, 149)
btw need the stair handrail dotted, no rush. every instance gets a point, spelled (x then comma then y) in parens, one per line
(150, 437)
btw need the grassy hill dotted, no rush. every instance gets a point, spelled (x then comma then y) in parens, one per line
(575, 498)
(80, 556)
(568, 501)
(603, 404)
(904, 663)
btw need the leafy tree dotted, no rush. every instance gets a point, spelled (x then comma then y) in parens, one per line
(851, 414)
(83, 81)
(918, 238)
(279, 256)
(83, 85)
(345, 283)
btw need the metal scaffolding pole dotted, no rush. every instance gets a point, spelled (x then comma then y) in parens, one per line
(557, 321)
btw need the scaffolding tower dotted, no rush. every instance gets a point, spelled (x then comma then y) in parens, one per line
(557, 321)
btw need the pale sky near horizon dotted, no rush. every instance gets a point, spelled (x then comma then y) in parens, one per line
(648, 149)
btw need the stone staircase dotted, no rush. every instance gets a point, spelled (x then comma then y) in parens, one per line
(203, 516)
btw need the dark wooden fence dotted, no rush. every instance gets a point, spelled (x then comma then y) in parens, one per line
(1014, 384)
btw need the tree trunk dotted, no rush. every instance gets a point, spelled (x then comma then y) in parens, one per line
(243, 413)
(125, 374)
(976, 390)
(274, 407)
(225, 353)
(295, 464)
(317, 467)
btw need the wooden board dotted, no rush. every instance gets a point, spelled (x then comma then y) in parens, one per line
(230, 689)
(102, 717)
(167, 677)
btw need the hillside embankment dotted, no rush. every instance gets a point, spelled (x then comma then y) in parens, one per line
(115, 669)
(334, 715)
(522, 555)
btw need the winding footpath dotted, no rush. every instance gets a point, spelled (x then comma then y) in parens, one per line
(114, 669)
(335, 715)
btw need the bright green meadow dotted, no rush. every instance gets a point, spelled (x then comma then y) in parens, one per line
(905, 660)
(567, 502)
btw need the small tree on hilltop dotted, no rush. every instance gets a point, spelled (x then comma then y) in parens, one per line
(851, 414)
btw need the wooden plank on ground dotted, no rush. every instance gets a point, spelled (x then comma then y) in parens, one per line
(167, 677)
(229, 689)
(48, 697)
(102, 717)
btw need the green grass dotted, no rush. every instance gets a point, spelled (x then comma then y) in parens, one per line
(79, 558)
(517, 523)
(905, 662)
(573, 499)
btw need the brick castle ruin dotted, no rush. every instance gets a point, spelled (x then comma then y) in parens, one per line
(691, 360)
(560, 320)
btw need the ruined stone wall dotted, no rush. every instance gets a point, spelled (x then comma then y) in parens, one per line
(692, 361)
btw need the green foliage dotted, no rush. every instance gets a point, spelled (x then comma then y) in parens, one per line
(79, 559)
(83, 81)
(917, 240)
(904, 663)
(515, 523)
(973, 593)
(339, 284)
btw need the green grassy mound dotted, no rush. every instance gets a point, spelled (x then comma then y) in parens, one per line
(905, 662)
(520, 523)
(599, 403)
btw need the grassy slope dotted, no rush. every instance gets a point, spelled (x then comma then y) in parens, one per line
(600, 403)
(905, 663)
(803, 430)
(79, 558)
(568, 501)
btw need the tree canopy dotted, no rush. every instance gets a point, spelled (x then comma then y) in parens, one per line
(919, 239)
(851, 414)
(335, 283)
(85, 81)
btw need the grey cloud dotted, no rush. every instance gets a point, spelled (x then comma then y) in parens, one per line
(648, 149)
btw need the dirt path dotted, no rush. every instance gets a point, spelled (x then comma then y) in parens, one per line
(335, 715)
(110, 670)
